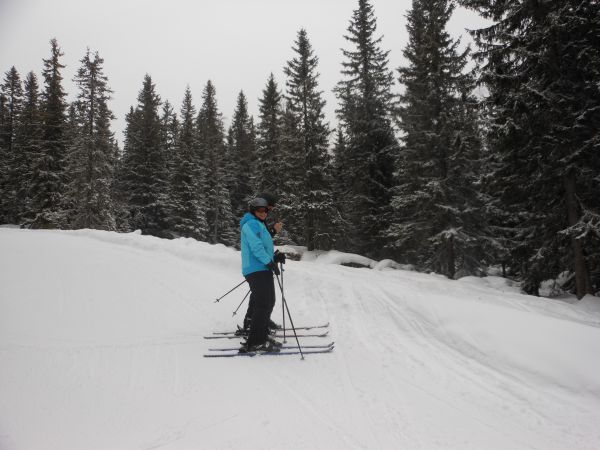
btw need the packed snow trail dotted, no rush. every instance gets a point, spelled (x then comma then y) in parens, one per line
(101, 343)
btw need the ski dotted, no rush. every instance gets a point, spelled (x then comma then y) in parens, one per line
(284, 353)
(278, 335)
(310, 327)
(284, 347)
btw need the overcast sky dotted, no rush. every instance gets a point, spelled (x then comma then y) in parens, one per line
(234, 43)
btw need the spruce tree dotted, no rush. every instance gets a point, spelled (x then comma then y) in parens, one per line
(48, 185)
(365, 112)
(3, 119)
(91, 158)
(540, 62)
(169, 130)
(121, 180)
(188, 214)
(221, 221)
(341, 194)
(271, 175)
(11, 156)
(145, 181)
(313, 201)
(242, 155)
(4, 162)
(290, 172)
(438, 221)
(29, 137)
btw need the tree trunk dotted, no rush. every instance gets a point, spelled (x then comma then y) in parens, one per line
(583, 283)
(450, 258)
(216, 224)
(309, 232)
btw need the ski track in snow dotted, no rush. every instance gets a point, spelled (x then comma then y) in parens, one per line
(377, 305)
(101, 347)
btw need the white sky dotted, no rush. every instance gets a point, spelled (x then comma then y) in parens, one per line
(235, 43)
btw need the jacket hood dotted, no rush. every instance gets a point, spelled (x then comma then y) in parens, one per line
(247, 218)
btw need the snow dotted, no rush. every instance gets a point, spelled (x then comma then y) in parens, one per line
(101, 348)
(335, 257)
(340, 258)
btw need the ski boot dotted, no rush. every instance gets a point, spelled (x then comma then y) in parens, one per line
(265, 347)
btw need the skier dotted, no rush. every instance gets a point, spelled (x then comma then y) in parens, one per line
(273, 230)
(258, 265)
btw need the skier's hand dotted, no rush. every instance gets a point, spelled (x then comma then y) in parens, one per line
(274, 268)
(279, 257)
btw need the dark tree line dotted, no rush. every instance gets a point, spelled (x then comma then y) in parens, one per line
(433, 176)
(541, 62)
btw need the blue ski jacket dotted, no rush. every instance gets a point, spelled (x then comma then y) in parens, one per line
(256, 245)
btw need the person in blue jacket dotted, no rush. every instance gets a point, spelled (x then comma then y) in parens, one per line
(258, 266)
(274, 228)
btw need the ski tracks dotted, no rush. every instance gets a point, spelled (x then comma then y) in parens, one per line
(424, 358)
(360, 362)
(448, 363)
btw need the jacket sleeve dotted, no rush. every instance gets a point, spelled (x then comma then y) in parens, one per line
(250, 231)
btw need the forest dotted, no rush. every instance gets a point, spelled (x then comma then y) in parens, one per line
(438, 177)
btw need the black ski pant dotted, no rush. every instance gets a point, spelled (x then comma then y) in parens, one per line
(262, 296)
(250, 311)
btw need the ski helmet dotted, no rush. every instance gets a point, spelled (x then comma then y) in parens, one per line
(270, 198)
(256, 203)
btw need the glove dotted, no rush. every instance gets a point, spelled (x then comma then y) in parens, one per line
(274, 268)
(279, 257)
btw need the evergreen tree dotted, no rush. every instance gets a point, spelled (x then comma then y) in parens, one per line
(313, 201)
(29, 138)
(3, 140)
(290, 174)
(189, 204)
(242, 155)
(169, 130)
(341, 195)
(437, 222)
(91, 159)
(48, 165)
(71, 137)
(4, 163)
(221, 221)
(271, 175)
(11, 156)
(366, 106)
(540, 62)
(145, 173)
(119, 188)
(3, 119)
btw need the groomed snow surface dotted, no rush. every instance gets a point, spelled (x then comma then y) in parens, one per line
(101, 344)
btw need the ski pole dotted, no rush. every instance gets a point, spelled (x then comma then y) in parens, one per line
(236, 310)
(282, 305)
(229, 292)
(289, 315)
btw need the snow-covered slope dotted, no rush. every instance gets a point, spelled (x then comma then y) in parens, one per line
(101, 348)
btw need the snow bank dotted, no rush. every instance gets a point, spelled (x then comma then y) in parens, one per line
(341, 258)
